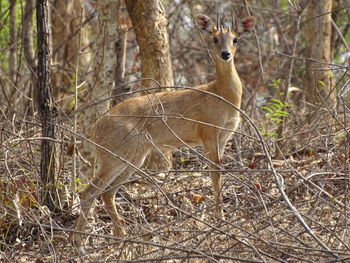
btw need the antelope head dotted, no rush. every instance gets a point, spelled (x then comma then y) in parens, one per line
(225, 38)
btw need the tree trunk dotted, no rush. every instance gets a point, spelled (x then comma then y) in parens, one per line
(28, 34)
(28, 50)
(119, 75)
(47, 110)
(12, 42)
(66, 30)
(318, 32)
(150, 25)
(103, 73)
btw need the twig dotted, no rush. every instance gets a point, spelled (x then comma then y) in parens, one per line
(76, 102)
(36, 139)
(336, 66)
(257, 44)
(340, 35)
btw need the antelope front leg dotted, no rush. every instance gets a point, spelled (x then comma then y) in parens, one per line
(212, 151)
(216, 180)
(87, 198)
(97, 186)
(111, 208)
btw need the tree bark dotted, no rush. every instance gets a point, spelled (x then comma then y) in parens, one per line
(150, 25)
(47, 110)
(103, 73)
(121, 49)
(318, 32)
(28, 34)
(28, 50)
(12, 42)
(66, 30)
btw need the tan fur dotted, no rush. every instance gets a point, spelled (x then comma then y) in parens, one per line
(165, 120)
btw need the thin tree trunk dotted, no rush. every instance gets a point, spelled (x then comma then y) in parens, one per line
(318, 32)
(28, 48)
(121, 49)
(103, 73)
(7, 89)
(288, 80)
(47, 110)
(65, 15)
(12, 41)
(150, 25)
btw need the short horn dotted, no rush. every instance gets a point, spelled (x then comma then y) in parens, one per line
(218, 21)
(233, 22)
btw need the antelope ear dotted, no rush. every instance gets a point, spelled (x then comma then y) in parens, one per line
(205, 23)
(245, 26)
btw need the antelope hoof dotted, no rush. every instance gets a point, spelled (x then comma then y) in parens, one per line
(219, 213)
(119, 231)
(77, 244)
(81, 251)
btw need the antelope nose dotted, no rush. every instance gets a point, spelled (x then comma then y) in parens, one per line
(225, 55)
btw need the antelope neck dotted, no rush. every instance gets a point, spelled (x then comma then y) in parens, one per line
(227, 82)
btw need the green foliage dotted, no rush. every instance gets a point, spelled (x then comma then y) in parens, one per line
(285, 4)
(276, 111)
(342, 21)
(79, 184)
(321, 82)
(276, 108)
(275, 84)
(14, 145)
(5, 31)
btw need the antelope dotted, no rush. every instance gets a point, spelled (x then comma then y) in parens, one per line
(167, 120)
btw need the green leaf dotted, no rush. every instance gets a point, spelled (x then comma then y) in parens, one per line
(277, 101)
(282, 113)
(267, 109)
(14, 146)
(276, 120)
(182, 160)
(275, 106)
(276, 114)
(321, 82)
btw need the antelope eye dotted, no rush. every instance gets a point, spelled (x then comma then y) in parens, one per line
(216, 40)
(235, 40)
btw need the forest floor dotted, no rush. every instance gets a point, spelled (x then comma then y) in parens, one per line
(170, 217)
